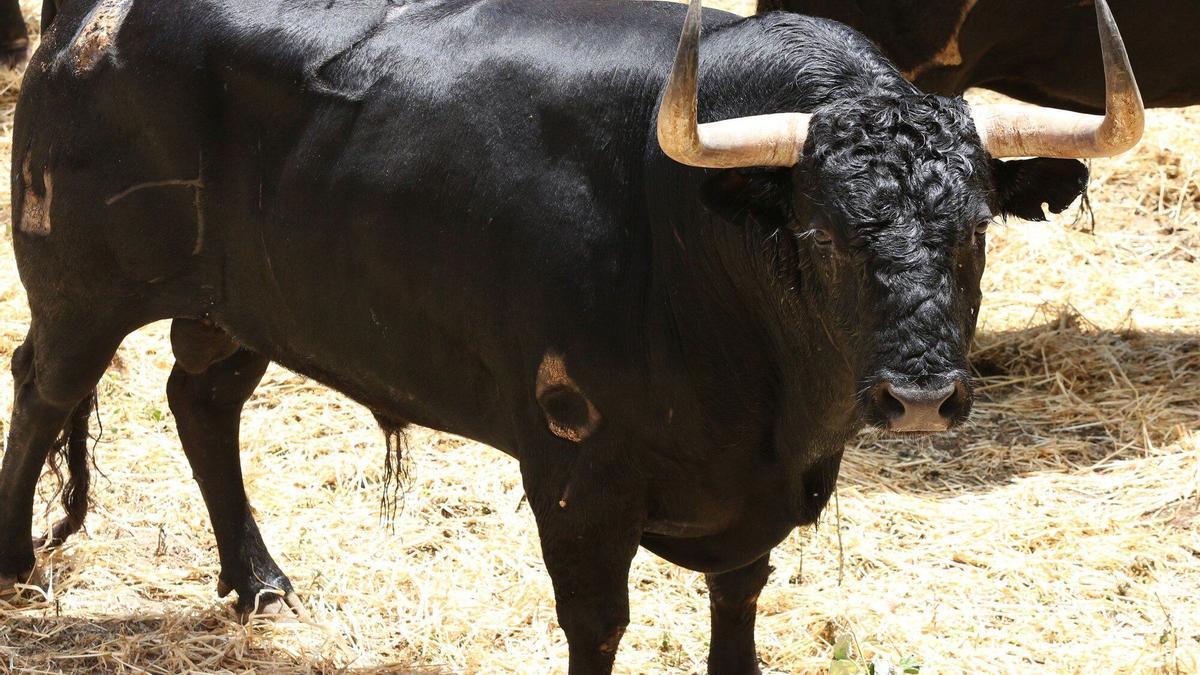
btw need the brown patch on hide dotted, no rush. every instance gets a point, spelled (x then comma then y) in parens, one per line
(951, 53)
(569, 413)
(35, 208)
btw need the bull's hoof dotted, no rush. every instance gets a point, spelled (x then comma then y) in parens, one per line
(13, 54)
(18, 589)
(57, 536)
(266, 604)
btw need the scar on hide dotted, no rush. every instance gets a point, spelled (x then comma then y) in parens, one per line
(97, 38)
(35, 209)
(569, 413)
(950, 54)
(196, 184)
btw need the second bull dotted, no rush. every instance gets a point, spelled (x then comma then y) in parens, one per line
(1040, 51)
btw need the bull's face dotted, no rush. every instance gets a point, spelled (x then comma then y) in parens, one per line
(888, 196)
(888, 215)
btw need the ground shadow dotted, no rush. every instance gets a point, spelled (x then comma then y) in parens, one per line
(202, 641)
(1063, 395)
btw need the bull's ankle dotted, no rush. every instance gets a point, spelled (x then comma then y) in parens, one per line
(18, 565)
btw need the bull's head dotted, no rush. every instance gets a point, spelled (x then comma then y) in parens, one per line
(890, 197)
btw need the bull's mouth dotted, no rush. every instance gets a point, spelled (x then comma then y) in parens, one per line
(918, 433)
(885, 430)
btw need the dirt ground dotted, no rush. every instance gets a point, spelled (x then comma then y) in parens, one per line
(1060, 532)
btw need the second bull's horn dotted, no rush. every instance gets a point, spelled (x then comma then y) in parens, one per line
(1009, 130)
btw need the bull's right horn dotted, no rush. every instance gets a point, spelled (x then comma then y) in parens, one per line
(762, 140)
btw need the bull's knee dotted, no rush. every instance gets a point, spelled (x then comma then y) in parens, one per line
(179, 398)
(63, 383)
(65, 355)
(602, 634)
(610, 643)
(733, 599)
(187, 396)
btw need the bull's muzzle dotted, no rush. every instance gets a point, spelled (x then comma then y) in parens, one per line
(920, 410)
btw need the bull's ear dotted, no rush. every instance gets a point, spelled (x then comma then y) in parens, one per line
(1023, 186)
(738, 194)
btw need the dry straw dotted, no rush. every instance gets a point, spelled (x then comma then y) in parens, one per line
(1058, 533)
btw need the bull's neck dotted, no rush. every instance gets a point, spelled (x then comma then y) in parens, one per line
(756, 353)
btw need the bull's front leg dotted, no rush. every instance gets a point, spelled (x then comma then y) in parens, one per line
(590, 511)
(733, 601)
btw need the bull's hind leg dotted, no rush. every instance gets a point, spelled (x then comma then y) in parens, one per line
(14, 38)
(212, 379)
(54, 371)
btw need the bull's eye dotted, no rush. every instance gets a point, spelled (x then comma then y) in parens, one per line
(822, 237)
(982, 228)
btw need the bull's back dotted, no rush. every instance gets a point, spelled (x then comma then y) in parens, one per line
(371, 98)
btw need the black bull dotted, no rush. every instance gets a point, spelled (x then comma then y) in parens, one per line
(1041, 51)
(457, 214)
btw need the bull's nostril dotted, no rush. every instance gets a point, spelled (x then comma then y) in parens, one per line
(948, 408)
(887, 403)
(955, 403)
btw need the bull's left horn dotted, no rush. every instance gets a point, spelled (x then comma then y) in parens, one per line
(1028, 131)
(762, 140)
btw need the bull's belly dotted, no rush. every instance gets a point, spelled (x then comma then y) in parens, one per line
(721, 517)
(402, 366)
(739, 514)
(742, 543)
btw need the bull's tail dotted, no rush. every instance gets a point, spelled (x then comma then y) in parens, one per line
(72, 450)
